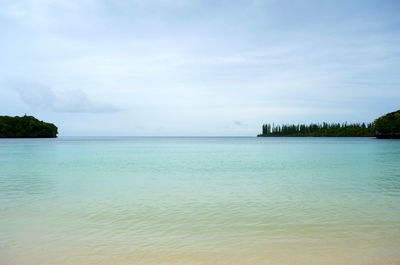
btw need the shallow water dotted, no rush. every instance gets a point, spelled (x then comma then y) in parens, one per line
(199, 201)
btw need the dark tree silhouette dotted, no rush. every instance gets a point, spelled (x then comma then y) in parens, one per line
(388, 126)
(26, 127)
(324, 129)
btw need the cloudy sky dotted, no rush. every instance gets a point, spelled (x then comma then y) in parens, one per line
(188, 67)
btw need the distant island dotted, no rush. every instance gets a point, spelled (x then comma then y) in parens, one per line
(387, 126)
(26, 127)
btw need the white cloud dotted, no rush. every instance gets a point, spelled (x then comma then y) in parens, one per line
(39, 97)
(195, 67)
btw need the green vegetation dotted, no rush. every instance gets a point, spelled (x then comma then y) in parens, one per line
(320, 130)
(26, 127)
(388, 126)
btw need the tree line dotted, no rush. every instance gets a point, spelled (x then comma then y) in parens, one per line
(322, 129)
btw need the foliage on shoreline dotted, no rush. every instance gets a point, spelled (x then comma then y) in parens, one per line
(388, 126)
(320, 130)
(26, 127)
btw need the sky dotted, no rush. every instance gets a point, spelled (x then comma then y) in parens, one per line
(197, 68)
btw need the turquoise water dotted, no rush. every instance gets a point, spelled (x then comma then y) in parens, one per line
(199, 201)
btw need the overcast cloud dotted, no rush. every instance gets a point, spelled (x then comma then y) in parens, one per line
(162, 67)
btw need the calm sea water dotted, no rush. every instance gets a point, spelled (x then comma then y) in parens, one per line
(199, 201)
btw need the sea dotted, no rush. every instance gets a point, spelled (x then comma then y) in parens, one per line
(199, 200)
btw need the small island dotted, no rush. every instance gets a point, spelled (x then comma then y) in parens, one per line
(387, 126)
(26, 127)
